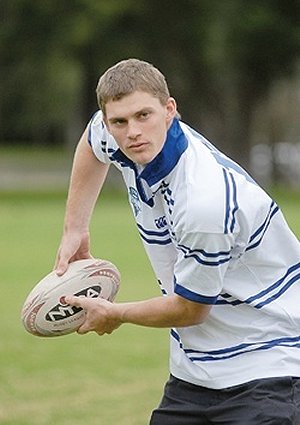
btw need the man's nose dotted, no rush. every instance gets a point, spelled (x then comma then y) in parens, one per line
(133, 130)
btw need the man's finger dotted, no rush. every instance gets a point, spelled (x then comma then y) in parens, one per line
(75, 301)
(82, 330)
(61, 264)
(61, 268)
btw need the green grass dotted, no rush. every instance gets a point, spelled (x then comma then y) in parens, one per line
(289, 202)
(86, 380)
(114, 379)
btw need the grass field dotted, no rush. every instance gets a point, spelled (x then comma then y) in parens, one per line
(84, 380)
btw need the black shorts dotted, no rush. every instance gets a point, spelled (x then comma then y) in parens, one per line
(271, 401)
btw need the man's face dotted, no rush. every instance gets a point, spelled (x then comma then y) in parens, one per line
(139, 123)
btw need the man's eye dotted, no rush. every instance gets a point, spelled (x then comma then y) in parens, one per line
(118, 122)
(144, 115)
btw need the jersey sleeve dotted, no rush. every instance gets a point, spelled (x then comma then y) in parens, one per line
(102, 143)
(202, 261)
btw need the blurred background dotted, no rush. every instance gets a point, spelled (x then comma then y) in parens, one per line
(232, 65)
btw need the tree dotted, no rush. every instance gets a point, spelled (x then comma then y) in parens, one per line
(38, 77)
(220, 58)
(261, 43)
(47, 49)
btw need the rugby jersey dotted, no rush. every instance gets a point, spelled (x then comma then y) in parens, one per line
(213, 236)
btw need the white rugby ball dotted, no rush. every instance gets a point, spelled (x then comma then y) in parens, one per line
(45, 312)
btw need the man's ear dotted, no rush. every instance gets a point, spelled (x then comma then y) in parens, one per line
(171, 108)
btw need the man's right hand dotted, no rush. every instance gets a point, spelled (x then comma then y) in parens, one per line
(73, 247)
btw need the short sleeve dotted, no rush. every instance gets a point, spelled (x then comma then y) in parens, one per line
(102, 143)
(203, 259)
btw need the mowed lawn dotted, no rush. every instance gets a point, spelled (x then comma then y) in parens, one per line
(86, 380)
(74, 379)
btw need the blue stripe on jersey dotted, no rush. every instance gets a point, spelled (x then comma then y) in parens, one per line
(235, 204)
(163, 290)
(231, 205)
(165, 188)
(237, 350)
(152, 232)
(282, 285)
(231, 165)
(289, 283)
(260, 232)
(167, 196)
(104, 148)
(176, 336)
(227, 202)
(271, 293)
(108, 151)
(160, 238)
(222, 159)
(155, 241)
(169, 201)
(220, 257)
(193, 296)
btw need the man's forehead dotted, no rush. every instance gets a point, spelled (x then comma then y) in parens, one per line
(131, 104)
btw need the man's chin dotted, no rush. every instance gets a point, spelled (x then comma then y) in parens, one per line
(142, 159)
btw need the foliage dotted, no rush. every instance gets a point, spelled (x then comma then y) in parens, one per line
(220, 59)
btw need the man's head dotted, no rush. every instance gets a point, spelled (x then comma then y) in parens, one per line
(129, 76)
(137, 108)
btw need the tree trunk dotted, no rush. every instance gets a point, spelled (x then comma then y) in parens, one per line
(238, 110)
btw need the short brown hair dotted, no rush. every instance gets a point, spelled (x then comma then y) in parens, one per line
(130, 75)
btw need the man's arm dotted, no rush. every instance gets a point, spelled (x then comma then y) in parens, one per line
(161, 312)
(87, 178)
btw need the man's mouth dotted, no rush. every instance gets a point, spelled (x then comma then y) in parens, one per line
(137, 146)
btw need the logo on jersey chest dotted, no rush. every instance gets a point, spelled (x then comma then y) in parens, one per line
(134, 200)
(160, 222)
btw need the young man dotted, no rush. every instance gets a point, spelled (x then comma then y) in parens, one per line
(226, 261)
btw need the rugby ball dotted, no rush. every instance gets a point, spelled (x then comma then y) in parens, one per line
(45, 312)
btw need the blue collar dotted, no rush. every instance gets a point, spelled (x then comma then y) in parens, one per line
(174, 146)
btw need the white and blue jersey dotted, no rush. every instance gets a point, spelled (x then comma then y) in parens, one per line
(213, 236)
